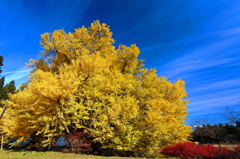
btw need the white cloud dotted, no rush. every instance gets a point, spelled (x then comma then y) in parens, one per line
(66, 17)
(197, 114)
(197, 65)
(206, 64)
(218, 85)
(213, 103)
(192, 39)
(16, 75)
(16, 72)
(200, 59)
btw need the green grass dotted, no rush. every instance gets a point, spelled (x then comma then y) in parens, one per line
(8, 154)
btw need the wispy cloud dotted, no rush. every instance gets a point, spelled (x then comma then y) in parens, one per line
(218, 85)
(16, 75)
(16, 72)
(65, 17)
(198, 65)
(202, 57)
(198, 114)
(192, 39)
(214, 102)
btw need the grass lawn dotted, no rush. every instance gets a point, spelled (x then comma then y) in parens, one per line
(9, 154)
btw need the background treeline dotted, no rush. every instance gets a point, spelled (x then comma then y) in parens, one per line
(222, 132)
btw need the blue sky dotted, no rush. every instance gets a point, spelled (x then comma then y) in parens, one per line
(197, 41)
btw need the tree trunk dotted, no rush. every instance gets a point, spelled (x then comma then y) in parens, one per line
(96, 146)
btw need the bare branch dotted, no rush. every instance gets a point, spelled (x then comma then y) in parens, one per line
(230, 114)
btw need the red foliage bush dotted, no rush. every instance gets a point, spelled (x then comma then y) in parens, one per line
(78, 141)
(237, 149)
(207, 151)
(189, 150)
(186, 150)
(225, 153)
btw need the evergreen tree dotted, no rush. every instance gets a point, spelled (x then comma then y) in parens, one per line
(11, 87)
(1, 64)
(4, 90)
(2, 82)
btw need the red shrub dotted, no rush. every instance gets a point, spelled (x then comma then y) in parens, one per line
(237, 149)
(186, 150)
(78, 141)
(207, 151)
(225, 153)
(189, 150)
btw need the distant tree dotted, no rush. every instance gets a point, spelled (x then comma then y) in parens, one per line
(1, 63)
(202, 127)
(232, 128)
(84, 82)
(2, 82)
(230, 115)
(206, 131)
(3, 95)
(11, 88)
(4, 90)
(220, 132)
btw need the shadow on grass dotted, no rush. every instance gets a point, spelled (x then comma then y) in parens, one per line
(113, 152)
(103, 152)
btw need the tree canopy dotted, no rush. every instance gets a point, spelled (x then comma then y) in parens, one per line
(83, 82)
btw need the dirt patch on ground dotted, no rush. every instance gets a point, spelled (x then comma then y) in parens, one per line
(228, 146)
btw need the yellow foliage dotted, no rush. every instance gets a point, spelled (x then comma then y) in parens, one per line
(83, 82)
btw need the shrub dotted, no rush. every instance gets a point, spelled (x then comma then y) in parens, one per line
(190, 150)
(77, 141)
(207, 151)
(237, 149)
(184, 150)
(225, 153)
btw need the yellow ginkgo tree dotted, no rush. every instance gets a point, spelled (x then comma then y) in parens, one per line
(83, 82)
